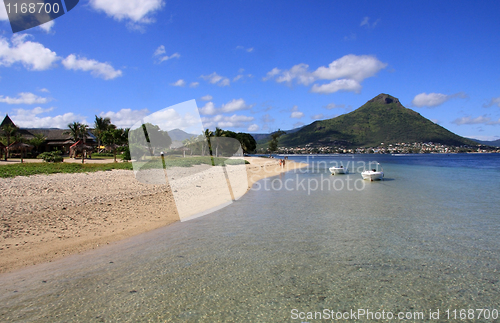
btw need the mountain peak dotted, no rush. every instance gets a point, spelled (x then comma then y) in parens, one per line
(384, 99)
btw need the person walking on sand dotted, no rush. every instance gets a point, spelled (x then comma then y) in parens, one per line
(283, 163)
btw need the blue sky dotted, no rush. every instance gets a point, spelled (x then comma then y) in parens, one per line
(255, 66)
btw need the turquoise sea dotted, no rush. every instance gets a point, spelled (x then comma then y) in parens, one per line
(295, 248)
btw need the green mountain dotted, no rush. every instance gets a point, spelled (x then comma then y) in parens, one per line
(383, 119)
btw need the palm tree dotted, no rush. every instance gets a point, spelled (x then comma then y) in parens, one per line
(9, 131)
(37, 140)
(115, 137)
(207, 133)
(74, 131)
(100, 126)
(218, 133)
(84, 129)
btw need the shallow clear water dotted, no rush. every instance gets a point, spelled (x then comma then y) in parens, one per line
(425, 238)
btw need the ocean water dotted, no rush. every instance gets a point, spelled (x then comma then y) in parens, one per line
(427, 238)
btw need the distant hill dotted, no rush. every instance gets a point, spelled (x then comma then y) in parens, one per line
(179, 135)
(494, 143)
(264, 137)
(382, 119)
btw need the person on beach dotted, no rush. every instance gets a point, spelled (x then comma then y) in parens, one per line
(284, 162)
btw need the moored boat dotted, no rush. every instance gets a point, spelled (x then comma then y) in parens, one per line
(338, 170)
(373, 174)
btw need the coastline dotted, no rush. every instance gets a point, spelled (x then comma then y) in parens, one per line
(46, 217)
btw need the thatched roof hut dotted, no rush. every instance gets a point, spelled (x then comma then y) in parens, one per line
(79, 146)
(20, 146)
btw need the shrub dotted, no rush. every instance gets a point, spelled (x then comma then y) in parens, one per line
(51, 157)
(126, 154)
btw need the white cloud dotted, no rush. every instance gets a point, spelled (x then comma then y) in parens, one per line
(485, 138)
(208, 109)
(346, 74)
(366, 22)
(493, 101)
(169, 119)
(207, 97)
(296, 113)
(44, 90)
(179, 82)
(47, 27)
(231, 106)
(317, 116)
(429, 100)
(215, 78)
(299, 72)
(248, 50)
(240, 76)
(161, 58)
(434, 99)
(194, 84)
(137, 11)
(479, 120)
(334, 106)
(34, 56)
(125, 118)
(97, 69)
(253, 127)
(271, 74)
(352, 36)
(352, 67)
(159, 51)
(337, 85)
(31, 119)
(24, 98)
(235, 105)
(266, 118)
(234, 121)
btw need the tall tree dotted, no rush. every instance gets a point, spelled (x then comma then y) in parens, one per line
(273, 144)
(74, 131)
(9, 131)
(100, 126)
(113, 138)
(84, 129)
(38, 140)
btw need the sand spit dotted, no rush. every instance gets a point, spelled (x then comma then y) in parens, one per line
(44, 217)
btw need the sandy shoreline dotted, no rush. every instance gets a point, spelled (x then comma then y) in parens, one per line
(45, 217)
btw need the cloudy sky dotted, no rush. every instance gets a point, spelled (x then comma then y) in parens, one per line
(255, 66)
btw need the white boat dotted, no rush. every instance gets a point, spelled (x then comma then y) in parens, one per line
(339, 170)
(373, 174)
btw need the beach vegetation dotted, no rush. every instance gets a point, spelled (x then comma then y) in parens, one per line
(51, 156)
(28, 169)
(9, 131)
(101, 125)
(273, 143)
(37, 140)
(77, 131)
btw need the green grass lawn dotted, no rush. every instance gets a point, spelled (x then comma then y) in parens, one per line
(28, 169)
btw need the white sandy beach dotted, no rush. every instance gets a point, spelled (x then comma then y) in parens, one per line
(44, 217)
